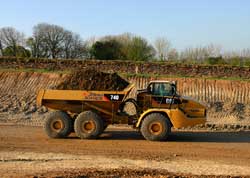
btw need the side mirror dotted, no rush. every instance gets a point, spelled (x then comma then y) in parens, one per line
(174, 90)
(149, 90)
(175, 83)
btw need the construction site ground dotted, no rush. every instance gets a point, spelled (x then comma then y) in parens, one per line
(25, 151)
(220, 148)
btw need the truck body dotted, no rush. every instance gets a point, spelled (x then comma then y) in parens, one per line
(159, 104)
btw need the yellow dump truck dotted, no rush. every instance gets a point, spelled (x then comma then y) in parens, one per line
(87, 113)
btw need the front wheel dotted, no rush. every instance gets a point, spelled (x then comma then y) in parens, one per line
(155, 127)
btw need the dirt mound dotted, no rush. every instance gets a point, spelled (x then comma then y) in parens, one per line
(91, 79)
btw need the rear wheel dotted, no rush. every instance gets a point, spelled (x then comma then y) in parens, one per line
(58, 125)
(88, 125)
(155, 127)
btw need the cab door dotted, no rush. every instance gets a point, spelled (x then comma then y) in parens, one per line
(162, 95)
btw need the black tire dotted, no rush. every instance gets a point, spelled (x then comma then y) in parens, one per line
(105, 127)
(88, 125)
(58, 124)
(155, 127)
(129, 107)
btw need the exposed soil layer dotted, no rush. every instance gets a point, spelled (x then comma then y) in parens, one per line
(163, 68)
(122, 152)
(91, 79)
(227, 101)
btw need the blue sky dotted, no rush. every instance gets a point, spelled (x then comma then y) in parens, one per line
(186, 23)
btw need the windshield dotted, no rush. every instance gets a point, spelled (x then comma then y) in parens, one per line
(162, 89)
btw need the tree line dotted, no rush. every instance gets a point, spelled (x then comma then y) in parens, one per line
(53, 41)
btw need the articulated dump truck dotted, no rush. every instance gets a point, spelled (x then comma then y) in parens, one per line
(158, 108)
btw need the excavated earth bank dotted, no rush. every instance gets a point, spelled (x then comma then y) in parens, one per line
(213, 150)
(229, 108)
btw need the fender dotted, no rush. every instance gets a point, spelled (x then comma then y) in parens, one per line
(167, 111)
(176, 116)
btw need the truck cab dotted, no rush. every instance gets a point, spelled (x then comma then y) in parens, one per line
(159, 94)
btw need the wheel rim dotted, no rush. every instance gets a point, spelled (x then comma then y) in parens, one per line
(88, 126)
(155, 128)
(57, 125)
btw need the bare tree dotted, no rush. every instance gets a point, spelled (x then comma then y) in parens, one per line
(10, 37)
(52, 38)
(52, 41)
(68, 44)
(1, 48)
(162, 46)
(213, 50)
(38, 48)
(199, 54)
(240, 57)
(90, 41)
(173, 54)
(73, 46)
(245, 53)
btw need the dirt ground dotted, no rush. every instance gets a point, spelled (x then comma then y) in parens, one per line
(26, 151)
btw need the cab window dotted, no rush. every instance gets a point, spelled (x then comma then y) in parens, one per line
(162, 89)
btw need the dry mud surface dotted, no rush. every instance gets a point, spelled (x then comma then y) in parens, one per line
(26, 151)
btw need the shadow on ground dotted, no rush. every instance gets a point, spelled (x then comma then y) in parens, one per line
(198, 136)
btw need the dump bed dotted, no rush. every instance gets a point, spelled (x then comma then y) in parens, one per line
(77, 101)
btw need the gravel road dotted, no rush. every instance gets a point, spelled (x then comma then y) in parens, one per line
(122, 152)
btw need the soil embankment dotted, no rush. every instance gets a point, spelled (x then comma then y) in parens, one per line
(228, 101)
(18, 95)
(130, 67)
